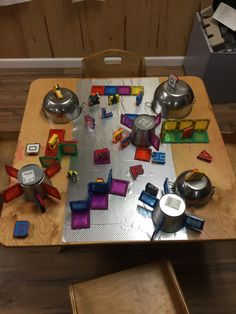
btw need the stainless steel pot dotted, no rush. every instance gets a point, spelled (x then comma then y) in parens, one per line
(195, 192)
(143, 126)
(169, 215)
(31, 178)
(61, 109)
(175, 103)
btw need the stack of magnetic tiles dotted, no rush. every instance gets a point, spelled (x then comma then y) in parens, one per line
(98, 192)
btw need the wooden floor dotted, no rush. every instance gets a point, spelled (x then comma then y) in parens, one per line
(36, 280)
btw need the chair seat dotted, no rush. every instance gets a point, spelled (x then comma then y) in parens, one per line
(150, 288)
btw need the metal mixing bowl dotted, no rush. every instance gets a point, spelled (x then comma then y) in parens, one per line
(175, 103)
(196, 192)
(61, 110)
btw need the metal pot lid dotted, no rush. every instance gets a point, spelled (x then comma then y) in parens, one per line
(62, 102)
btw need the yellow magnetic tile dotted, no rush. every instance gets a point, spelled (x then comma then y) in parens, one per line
(201, 124)
(170, 125)
(135, 90)
(185, 124)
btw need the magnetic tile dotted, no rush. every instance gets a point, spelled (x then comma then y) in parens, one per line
(80, 220)
(119, 187)
(79, 206)
(143, 154)
(97, 89)
(135, 90)
(110, 90)
(21, 229)
(148, 199)
(98, 201)
(124, 90)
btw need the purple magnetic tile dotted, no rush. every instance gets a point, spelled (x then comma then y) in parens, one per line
(124, 90)
(157, 119)
(155, 141)
(99, 201)
(119, 187)
(80, 220)
(126, 121)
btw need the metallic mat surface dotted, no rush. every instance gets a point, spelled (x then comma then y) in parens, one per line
(126, 219)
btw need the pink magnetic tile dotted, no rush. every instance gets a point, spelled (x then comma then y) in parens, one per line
(124, 90)
(143, 154)
(80, 220)
(119, 187)
(99, 201)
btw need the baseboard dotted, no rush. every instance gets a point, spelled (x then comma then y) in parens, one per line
(77, 62)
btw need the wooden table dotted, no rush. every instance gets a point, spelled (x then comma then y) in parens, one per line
(46, 229)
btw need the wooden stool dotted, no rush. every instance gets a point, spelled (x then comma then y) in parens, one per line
(150, 288)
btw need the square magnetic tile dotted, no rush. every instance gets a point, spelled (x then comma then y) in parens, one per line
(110, 90)
(119, 187)
(97, 89)
(143, 154)
(124, 90)
(79, 206)
(98, 201)
(21, 229)
(80, 220)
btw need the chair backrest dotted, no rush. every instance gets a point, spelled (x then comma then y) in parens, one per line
(114, 63)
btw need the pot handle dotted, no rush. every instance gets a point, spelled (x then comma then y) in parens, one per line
(212, 191)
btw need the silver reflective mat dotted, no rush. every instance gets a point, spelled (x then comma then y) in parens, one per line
(126, 219)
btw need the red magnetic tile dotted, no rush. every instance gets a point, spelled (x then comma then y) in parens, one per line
(143, 154)
(97, 89)
(61, 135)
(12, 192)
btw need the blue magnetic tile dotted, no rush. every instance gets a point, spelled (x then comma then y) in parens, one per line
(21, 229)
(78, 205)
(98, 187)
(148, 199)
(110, 90)
(109, 179)
(167, 187)
(194, 222)
(159, 157)
(132, 116)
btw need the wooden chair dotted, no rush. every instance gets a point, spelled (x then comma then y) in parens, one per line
(114, 63)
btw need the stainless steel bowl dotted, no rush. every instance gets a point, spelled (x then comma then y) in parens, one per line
(61, 110)
(195, 192)
(175, 103)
